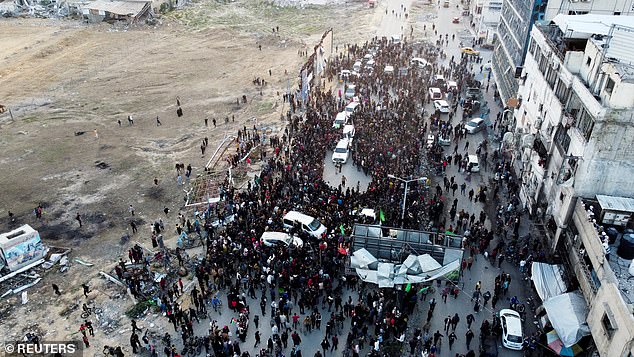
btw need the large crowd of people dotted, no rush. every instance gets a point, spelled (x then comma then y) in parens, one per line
(304, 291)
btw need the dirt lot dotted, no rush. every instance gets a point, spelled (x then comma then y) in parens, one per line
(61, 77)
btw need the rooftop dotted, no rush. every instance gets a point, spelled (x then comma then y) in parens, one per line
(618, 265)
(612, 33)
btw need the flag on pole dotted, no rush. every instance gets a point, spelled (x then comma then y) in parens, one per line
(381, 215)
(343, 232)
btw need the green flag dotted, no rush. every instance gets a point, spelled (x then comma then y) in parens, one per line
(408, 287)
(381, 215)
(343, 232)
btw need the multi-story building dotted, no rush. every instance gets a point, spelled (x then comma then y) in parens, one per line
(604, 279)
(582, 7)
(575, 139)
(485, 19)
(575, 119)
(516, 20)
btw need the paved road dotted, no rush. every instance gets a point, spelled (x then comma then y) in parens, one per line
(482, 270)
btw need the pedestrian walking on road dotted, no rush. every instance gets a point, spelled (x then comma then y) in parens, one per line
(86, 289)
(469, 336)
(56, 289)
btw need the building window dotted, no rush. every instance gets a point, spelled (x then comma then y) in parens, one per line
(588, 61)
(562, 92)
(562, 138)
(531, 46)
(617, 13)
(607, 325)
(585, 123)
(609, 85)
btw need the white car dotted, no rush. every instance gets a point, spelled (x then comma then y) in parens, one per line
(350, 91)
(512, 336)
(419, 62)
(430, 140)
(368, 57)
(442, 106)
(340, 154)
(435, 93)
(280, 239)
(348, 133)
(389, 70)
(451, 85)
(340, 120)
(475, 125)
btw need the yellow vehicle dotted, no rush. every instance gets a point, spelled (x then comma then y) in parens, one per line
(469, 51)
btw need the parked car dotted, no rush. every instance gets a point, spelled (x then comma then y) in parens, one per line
(469, 51)
(512, 337)
(473, 93)
(475, 125)
(345, 75)
(340, 154)
(304, 222)
(435, 93)
(444, 141)
(419, 62)
(430, 140)
(280, 239)
(474, 164)
(442, 106)
(389, 70)
(451, 86)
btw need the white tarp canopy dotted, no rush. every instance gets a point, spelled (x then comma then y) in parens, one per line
(362, 259)
(387, 275)
(568, 313)
(427, 263)
(548, 280)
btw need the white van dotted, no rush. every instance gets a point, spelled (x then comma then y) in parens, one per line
(351, 108)
(304, 222)
(341, 152)
(474, 164)
(340, 120)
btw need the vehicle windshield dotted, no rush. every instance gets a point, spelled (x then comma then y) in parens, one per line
(314, 225)
(514, 339)
(472, 123)
(341, 150)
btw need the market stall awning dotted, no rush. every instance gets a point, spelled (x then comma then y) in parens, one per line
(548, 280)
(554, 343)
(567, 313)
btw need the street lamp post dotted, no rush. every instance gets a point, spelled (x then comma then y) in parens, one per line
(405, 193)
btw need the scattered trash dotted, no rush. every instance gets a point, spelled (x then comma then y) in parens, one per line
(77, 260)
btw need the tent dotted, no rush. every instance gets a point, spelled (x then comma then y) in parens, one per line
(548, 280)
(568, 313)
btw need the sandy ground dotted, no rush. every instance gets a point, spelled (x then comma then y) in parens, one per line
(60, 77)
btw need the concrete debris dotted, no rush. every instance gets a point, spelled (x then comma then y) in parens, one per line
(84, 263)
(112, 279)
(25, 297)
